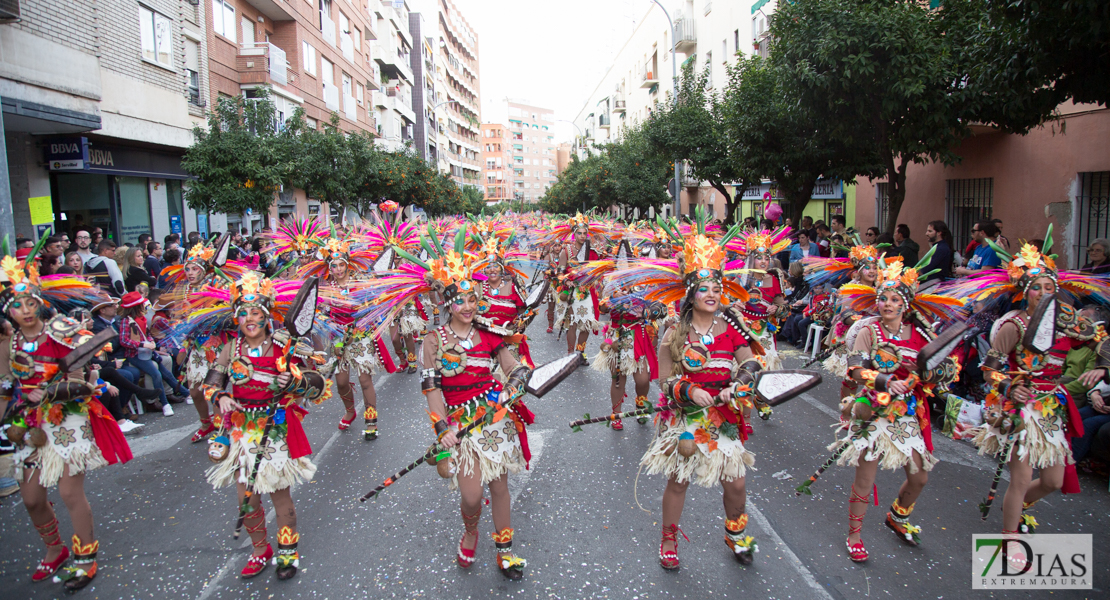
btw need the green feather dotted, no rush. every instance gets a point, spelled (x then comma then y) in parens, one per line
(412, 259)
(435, 240)
(38, 246)
(460, 241)
(999, 251)
(427, 248)
(1047, 246)
(6, 246)
(924, 262)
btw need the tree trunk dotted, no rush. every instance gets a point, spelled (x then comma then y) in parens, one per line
(896, 190)
(730, 204)
(799, 198)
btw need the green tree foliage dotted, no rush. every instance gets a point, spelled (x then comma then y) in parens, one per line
(325, 160)
(779, 138)
(240, 160)
(626, 173)
(1026, 57)
(693, 130)
(880, 74)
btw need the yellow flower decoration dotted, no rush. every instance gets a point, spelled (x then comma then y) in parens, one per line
(13, 269)
(701, 252)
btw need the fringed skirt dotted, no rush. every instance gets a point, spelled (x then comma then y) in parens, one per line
(1042, 442)
(890, 443)
(359, 355)
(576, 309)
(619, 357)
(196, 367)
(410, 322)
(719, 455)
(493, 450)
(277, 471)
(70, 443)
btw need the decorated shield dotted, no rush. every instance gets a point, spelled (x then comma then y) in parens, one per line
(302, 314)
(776, 387)
(546, 377)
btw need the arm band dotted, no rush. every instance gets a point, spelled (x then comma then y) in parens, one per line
(441, 429)
(66, 390)
(310, 386)
(517, 380)
(858, 361)
(880, 381)
(430, 381)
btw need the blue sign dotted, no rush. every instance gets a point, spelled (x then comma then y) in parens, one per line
(175, 224)
(202, 225)
(68, 154)
(44, 230)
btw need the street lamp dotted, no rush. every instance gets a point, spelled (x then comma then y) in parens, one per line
(674, 99)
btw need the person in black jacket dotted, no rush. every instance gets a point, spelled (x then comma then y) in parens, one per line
(112, 368)
(941, 238)
(104, 268)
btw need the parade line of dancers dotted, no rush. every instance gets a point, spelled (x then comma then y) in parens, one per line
(691, 306)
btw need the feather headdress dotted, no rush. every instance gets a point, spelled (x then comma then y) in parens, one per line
(764, 243)
(1019, 271)
(893, 275)
(211, 256)
(573, 228)
(838, 271)
(298, 235)
(332, 249)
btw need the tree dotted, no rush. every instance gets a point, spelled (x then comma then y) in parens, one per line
(325, 160)
(779, 138)
(239, 161)
(879, 74)
(1026, 57)
(692, 130)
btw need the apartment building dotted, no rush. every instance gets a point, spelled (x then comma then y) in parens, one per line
(99, 100)
(640, 78)
(534, 154)
(423, 62)
(393, 104)
(497, 157)
(457, 95)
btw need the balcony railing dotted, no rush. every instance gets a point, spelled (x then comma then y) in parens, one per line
(618, 104)
(350, 107)
(331, 96)
(648, 77)
(685, 36)
(258, 61)
(603, 121)
(327, 27)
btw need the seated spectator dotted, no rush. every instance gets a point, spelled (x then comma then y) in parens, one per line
(136, 274)
(805, 248)
(1098, 257)
(104, 269)
(140, 347)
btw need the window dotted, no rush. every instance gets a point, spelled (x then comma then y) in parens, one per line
(308, 56)
(347, 85)
(358, 93)
(223, 19)
(1093, 203)
(736, 41)
(192, 70)
(966, 202)
(156, 36)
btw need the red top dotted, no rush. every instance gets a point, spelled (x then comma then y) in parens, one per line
(907, 367)
(502, 308)
(45, 355)
(128, 326)
(255, 392)
(716, 376)
(480, 361)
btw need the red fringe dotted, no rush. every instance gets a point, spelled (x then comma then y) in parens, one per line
(107, 434)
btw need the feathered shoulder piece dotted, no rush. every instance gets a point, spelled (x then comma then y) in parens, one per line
(336, 247)
(298, 235)
(765, 243)
(838, 271)
(578, 226)
(894, 276)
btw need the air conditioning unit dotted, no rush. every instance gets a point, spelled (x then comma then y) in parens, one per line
(9, 11)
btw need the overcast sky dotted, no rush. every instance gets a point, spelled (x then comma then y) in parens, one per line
(551, 53)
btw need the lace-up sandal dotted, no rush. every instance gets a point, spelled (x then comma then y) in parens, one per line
(83, 570)
(370, 429)
(511, 565)
(743, 546)
(616, 424)
(898, 520)
(349, 404)
(257, 563)
(1028, 524)
(668, 559)
(581, 350)
(50, 537)
(206, 428)
(641, 402)
(411, 362)
(287, 559)
(470, 527)
(856, 551)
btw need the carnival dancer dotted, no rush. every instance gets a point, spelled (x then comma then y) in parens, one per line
(460, 357)
(502, 297)
(391, 233)
(1030, 413)
(357, 352)
(205, 264)
(766, 283)
(704, 441)
(577, 308)
(59, 427)
(889, 419)
(262, 448)
(627, 348)
(861, 267)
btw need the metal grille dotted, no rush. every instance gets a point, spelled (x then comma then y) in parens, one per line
(967, 201)
(1093, 203)
(882, 205)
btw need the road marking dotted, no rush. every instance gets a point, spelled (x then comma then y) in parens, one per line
(213, 584)
(792, 558)
(944, 448)
(518, 482)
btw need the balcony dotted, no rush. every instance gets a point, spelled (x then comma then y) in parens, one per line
(275, 9)
(327, 28)
(603, 122)
(619, 104)
(391, 59)
(648, 77)
(347, 45)
(331, 96)
(350, 107)
(262, 62)
(685, 36)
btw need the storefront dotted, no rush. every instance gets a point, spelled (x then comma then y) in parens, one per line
(124, 190)
(830, 197)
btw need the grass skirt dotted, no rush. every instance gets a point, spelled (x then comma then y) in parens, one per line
(1043, 441)
(410, 322)
(891, 443)
(196, 368)
(69, 444)
(359, 355)
(717, 456)
(277, 470)
(576, 310)
(494, 450)
(620, 356)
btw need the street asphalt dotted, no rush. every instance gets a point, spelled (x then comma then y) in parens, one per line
(585, 522)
